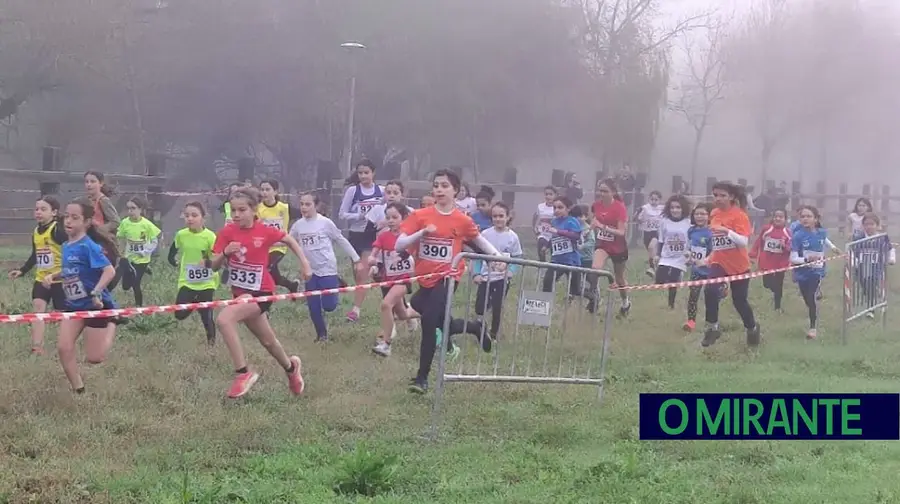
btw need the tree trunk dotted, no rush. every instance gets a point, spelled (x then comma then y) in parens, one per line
(695, 155)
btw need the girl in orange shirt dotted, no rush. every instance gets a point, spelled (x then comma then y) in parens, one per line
(731, 231)
(438, 233)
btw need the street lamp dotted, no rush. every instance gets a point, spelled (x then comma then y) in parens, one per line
(351, 47)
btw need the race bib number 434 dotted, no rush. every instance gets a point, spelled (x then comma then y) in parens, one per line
(436, 250)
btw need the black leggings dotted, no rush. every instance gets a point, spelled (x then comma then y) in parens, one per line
(551, 276)
(430, 303)
(490, 295)
(739, 290)
(668, 274)
(808, 288)
(775, 283)
(187, 296)
(132, 274)
(274, 259)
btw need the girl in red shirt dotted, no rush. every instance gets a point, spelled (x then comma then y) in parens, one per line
(772, 250)
(245, 245)
(386, 264)
(610, 219)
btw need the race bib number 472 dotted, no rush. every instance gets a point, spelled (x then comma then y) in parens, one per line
(436, 250)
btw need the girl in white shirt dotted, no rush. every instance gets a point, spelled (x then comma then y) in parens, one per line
(672, 243)
(648, 218)
(316, 235)
(465, 201)
(492, 278)
(393, 193)
(358, 200)
(855, 219)
(541, 222)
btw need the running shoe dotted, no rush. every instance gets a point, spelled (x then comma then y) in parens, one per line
(295, 378)
(242, 384)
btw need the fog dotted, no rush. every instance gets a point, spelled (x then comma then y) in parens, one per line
(801, 90)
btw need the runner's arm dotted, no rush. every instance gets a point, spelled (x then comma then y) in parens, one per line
(405, 241)
(31, 261)
(292, 244)
(341, 240)
(346, 204)
(740, 240)
(486, 247)
(173, 255)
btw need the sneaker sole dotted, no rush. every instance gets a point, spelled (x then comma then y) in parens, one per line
(299, 373)
(252, 381)
(416, 390)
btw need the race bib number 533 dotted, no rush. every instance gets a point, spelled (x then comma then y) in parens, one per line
(436, 250)
(245, 276)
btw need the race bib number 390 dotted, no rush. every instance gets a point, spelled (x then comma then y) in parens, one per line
(436, 250)
(245, 276)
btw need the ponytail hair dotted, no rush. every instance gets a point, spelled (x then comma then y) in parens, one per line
(735, 191)
(613, 187)
(105, 189)
(102, 237)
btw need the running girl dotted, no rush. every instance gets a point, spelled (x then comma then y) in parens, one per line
(439, 233)
(541, 222)
(808, 247)
(772, 250)
(87, 269)
(586, 249)
(855, 218)
(277, 214)
(464, 200)
(671, 244)
(393, 193)
(701, 242)
(46, 257)
(141, 238)
(648, 218)
(869, 259)
(427, 201)
(493, 277)
(245, 245)
(484, 207)
(104, 213)
(358, 200)
(388, 264)
(610, 219)
(191, 253)
(317, 235)
(565, 231)
(226, 206)
(731, 231)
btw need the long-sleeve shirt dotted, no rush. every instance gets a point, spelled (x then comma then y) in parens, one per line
(316, 236)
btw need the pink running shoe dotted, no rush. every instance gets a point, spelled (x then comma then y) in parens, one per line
(295, 379)
(242, 384)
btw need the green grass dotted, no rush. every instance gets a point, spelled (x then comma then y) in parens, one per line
(154, 426)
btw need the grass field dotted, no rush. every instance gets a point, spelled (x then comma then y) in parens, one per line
(154, 426)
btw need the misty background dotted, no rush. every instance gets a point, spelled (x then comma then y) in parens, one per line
(777, 89)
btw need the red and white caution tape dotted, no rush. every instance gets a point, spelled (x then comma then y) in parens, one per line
(719, 280)
(24, 318)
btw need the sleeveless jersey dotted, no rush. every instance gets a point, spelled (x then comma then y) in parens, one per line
(47, 253)
(276, 216)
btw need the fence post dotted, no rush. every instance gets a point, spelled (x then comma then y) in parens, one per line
(50, 162)
(820, 195)
(842, 205)
(710, 182)
(676, 184)
(510, 176)
(156, 167)
(885, 205)
(795, 195)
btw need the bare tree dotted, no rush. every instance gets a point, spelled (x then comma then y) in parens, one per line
(703, 84)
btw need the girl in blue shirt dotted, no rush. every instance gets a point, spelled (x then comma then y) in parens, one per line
(565, 231)
(808, 247)
(484, 203)
(87, 269)
(700, 243)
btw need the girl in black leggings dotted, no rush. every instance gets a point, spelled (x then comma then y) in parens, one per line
(731, 231)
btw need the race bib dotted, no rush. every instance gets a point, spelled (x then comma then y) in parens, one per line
(245, 276)
(311, 241)
(136, 248)
(274, 223)
(74, 289)
(43, 259)
(675, 246)
(560, 245)
(722, 242)
(436, 250)
(499, 267)
(651, 225)
(396, 266)
(197, 273)
(544, 226)
(367, 205)
(773, 246)
(698, 253)
(605, 235)
(810, 255)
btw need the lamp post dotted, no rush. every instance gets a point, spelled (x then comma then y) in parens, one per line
(351, 47)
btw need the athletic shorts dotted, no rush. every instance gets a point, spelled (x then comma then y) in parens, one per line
(264, 307)
(96, 323)
(385, 290)
(362, 241)
(650, 236)
(54, 294)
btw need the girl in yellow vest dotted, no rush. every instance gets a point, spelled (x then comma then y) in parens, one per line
(46, 259)
(141, 238)
(277, 214)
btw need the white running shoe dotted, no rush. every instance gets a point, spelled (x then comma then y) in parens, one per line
(383, 349)
(412, 325)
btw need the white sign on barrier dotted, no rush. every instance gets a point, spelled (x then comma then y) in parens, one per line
(535, 308)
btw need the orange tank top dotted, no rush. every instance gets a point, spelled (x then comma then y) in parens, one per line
(98, 219)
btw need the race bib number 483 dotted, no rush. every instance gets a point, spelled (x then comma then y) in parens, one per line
(398, 266)
(436, 250)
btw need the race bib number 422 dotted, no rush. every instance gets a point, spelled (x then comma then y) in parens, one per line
(436, 250)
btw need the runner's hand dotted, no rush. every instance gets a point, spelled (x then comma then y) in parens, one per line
(232, 247)
(13, 274)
